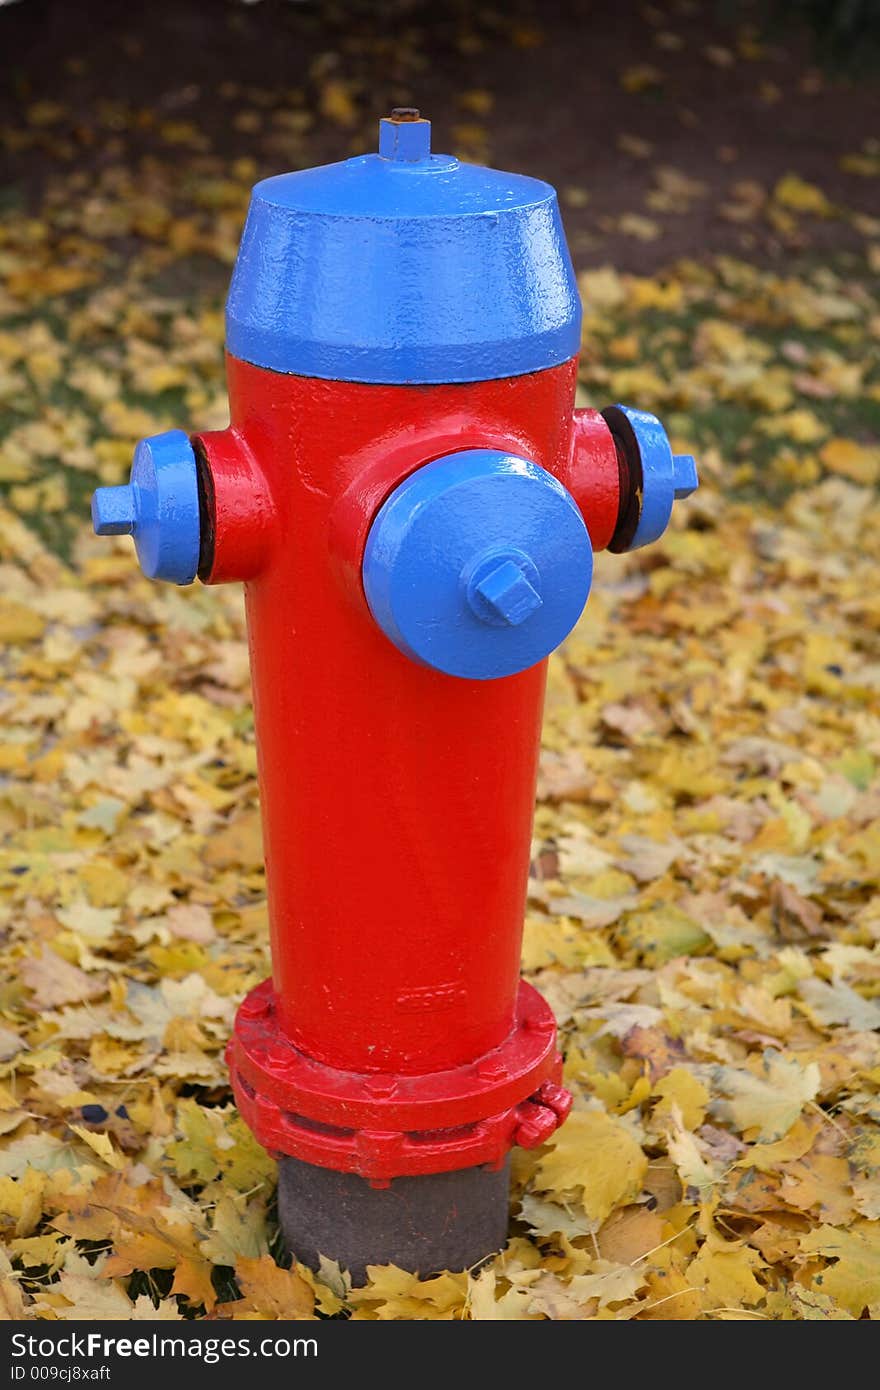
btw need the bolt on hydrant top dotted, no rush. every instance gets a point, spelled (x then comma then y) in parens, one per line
(403, 266)
(405, 135)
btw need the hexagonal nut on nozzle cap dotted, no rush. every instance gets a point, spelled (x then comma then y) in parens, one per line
(684, 475)
(159, 507)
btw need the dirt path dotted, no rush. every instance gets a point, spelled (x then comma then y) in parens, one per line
(664, 126)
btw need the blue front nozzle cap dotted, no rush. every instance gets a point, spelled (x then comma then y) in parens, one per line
(661, 476)
(159, 507)
(478, 565)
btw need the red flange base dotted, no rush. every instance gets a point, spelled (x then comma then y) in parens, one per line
(384, 1125)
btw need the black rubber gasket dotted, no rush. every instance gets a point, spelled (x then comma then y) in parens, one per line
(629, 466)
(207, 513)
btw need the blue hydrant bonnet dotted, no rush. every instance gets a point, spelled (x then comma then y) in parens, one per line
(403, 267)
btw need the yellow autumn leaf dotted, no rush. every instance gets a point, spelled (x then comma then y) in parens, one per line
(392, 1293)
(86, 1298)
(766, 1101)
(767, 1157)
(726, 1274)
(860, 462)
(487, 1303)
(19, 623)
(795, 193)
(629, 1234)
(680, 1087)
(12, 1304)
(814, 1306)
(55, 981)
(670, 1297)
(337, 102)
(820, 1184)
(697, 1173)
(597, 1156)
(21, 1200)
(640, 77)
(193, 1279)
(273, 1292)
(609, 1283)
(852, 1276)
(801, 425)
(102, 1145)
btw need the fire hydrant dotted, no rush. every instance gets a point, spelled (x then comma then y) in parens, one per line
(413, 503)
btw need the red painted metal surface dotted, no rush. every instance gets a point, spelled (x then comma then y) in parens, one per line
(592, 475)
(240, 524)
(396, 801)
(384, 1125)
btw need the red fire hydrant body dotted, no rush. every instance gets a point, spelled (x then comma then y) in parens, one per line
(395, 1057)
(396, 800)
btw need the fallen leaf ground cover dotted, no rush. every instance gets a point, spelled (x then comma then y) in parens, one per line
(703, 911)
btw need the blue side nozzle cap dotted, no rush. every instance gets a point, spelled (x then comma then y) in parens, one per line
(662, 477)
(478, 565)
(159, 507)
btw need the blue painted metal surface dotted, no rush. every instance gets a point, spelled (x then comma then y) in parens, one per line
(478, 564)
(408, 139)
(159, 507)
(403, 266)
(505, 588)
(665, 477)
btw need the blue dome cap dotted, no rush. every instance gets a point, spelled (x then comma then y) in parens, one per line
(403, 266)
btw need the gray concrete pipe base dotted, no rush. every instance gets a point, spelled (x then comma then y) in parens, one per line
(424, 1225)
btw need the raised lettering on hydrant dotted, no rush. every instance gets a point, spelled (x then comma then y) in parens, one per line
(413, 503)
